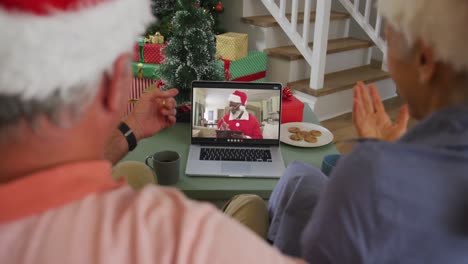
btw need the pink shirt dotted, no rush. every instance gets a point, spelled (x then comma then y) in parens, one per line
(69, 215)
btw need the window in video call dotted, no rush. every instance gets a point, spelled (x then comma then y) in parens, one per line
(236, 116)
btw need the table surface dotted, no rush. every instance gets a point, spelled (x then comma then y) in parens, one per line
(177, 138)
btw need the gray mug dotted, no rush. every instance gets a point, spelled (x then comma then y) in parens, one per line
(166, 165)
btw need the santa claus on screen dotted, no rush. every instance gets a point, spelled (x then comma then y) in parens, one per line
(238, 119)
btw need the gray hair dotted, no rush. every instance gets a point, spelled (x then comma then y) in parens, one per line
(71, 102)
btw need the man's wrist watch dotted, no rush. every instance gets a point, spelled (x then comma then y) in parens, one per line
(129, 136)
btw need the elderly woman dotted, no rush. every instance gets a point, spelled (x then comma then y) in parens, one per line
(399, 197)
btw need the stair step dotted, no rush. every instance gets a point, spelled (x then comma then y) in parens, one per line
(334, 46)
(342, 80)
(269, 21)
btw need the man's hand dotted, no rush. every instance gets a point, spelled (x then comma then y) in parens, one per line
(224, 125)
(370, 118)
(154, 111)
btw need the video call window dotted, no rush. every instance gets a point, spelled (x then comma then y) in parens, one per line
(237, 114)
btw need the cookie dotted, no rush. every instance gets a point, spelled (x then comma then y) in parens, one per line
(315, 133)
(303, 133)
(310, 139)
(296, 137)
(293, 130)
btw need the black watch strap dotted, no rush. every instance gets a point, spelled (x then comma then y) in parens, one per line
(129, 136)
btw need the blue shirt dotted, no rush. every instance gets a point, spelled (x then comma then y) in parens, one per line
(404, 202)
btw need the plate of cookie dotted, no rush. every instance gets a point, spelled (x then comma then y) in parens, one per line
(306, 135)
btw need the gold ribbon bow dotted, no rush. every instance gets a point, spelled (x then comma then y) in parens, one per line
(140, 70)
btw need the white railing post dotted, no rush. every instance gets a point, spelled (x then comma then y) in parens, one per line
(363, 21)
(294, 13)
(301, 42)
(319, 51)
(356, 5)
(378, 26)
(368, 10)
(306, 29)
(283, 8)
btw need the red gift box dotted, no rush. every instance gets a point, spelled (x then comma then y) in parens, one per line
(149, 53)
(138, 87)
(292, 110)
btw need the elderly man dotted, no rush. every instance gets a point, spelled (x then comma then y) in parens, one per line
(64, 77)
(399, 197)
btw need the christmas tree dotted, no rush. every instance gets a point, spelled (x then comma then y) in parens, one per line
(190, 54)
(161, 7)
(215, 8)
(164, 11)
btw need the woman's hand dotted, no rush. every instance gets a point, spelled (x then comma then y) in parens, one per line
(370, 118)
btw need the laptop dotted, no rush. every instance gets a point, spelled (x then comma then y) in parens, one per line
(235, 130)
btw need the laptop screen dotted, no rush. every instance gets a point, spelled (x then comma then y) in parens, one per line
(231, 113)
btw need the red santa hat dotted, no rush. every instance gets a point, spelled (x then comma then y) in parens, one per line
(59, 44)
(238, 97)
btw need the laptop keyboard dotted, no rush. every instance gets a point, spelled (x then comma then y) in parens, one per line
(236, 154)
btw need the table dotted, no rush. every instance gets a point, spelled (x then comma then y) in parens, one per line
(177, 138)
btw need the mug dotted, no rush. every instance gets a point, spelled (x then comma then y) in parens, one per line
(166, 165)
(329, 162)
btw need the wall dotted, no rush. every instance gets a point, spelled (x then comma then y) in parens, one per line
(200, 98)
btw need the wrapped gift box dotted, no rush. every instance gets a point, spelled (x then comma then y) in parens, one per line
(249, 69)
(146, 70)
(232, 46)
(130, 105)
(144, 75)
(149, 53)
(157, 38)
(292, 110)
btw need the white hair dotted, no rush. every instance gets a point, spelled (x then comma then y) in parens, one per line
(441, 24)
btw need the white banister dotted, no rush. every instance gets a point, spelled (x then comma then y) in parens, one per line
(356, 5)
(364, 21)
(367, 10)
(315, 56)
(290, 27)
(306, 28)
(378, 25)
(319, 52)
(282, 7)
(294, 14)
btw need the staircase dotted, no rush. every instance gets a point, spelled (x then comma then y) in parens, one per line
(320, 48)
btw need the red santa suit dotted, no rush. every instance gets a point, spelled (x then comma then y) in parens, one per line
(247, 123)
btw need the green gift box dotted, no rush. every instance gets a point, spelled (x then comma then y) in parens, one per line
(249, 69)
(144, 75)
(145, 70)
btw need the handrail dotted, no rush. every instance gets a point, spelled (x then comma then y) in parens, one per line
(364, 20)
(315, 56)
